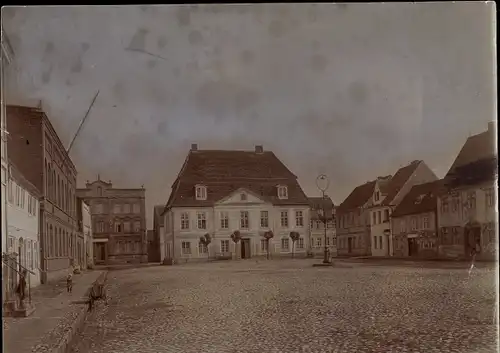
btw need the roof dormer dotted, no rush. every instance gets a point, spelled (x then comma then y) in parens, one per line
(200, 192)
(282, 192)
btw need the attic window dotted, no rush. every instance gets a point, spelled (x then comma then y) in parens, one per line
(282, 192)
(201, 192)
(419, 199)
(243, 197)
(377, 196)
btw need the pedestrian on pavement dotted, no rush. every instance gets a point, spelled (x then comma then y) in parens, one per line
(21, 287)
(474, 251)
(69, 283)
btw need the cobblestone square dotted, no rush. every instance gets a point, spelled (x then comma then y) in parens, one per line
(289, 306)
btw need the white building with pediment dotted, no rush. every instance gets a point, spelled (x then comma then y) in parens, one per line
(221, 192)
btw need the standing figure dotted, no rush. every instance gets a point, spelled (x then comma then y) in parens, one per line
(21, 288)
(69, 283)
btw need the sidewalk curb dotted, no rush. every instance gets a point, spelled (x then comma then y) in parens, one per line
(78, 323)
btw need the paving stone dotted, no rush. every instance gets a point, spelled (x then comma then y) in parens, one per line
(289, 306)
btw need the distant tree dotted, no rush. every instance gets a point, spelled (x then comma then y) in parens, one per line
(268, 236)
(205, 241)
(236, 237)
(294, 236)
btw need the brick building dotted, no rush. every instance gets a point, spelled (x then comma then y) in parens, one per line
(219, 192)
(118, 222)
(414, 222)
(37, 151)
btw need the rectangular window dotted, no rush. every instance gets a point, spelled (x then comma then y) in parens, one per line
(224, 246)
(244, 220)
(414, 223)
(136, 208)
(374, 216)
(299, 219)
(300, 243)
(186, 248)
(202, 248)
(284, 219)
(379, 217)
(318, 242)
(202, 220)
(263, 245)
(285, 244)
(490, 197)
(455, 202)
(118, 227)
(117, 209)
(184, 220)
(100, 227)
(137, 226)
(386, 215)
(375, 242)
(444, 205)
(264, 219)
(11, 192)
(224, 220)
(126, 227)
(126, 208)
(425, 222)
(471, 199)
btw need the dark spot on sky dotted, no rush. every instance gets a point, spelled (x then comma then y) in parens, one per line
(85, 47)
(319, 63)
(195, 37)
(138, 41)
(312, 13)
(162, 41)
(358, 92)
(46, 75)
(68, 82)
(183, 16)
(162, 127)
(77, 66)
(144, 8)
(49, 47)
(247, 57)
(276, 28)
(151, 64)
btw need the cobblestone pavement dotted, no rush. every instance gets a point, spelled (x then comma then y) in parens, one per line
(289, 306)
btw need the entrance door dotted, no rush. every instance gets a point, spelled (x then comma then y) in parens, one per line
(100, 252)
(412, 247)
(472, 239)
(349, 245)
(245, 248)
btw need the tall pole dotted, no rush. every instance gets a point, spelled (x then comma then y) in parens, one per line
(325, 258)
(81, 123)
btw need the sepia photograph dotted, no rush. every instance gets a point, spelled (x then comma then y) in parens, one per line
(250, 178)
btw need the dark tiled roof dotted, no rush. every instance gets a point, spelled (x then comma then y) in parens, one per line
(317, 203)
(399, 180)
(19, 178)
(384, 183)
(358, 197)
(224, 172)
(477, 147)
(421, 198)
(480, 171)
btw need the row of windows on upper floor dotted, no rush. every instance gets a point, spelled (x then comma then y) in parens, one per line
(59, 190)
(470, 201)
(418, 222)
(244, 221)
(118, 208)
(118, 226)
(20, 198)
(201, 193)
(59, 242)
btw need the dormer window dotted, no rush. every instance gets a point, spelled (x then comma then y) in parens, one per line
(243, 197)
(377, 196)
(282, 192)
(201, 192)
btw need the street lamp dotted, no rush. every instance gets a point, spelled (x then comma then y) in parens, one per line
(322, 183)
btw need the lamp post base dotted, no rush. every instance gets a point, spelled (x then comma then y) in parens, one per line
(326, 260)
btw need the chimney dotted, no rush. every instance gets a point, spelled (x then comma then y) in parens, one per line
(259, 149)
(194, 147)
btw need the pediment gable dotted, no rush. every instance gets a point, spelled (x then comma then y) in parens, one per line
(242, 196)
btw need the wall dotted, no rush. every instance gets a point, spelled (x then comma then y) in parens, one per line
(317, 237)
(23, 228)
(354, 224)
(380, 242)
(254, 232)
(428, 242)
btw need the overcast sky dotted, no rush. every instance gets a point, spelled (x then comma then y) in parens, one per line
(353, 91)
